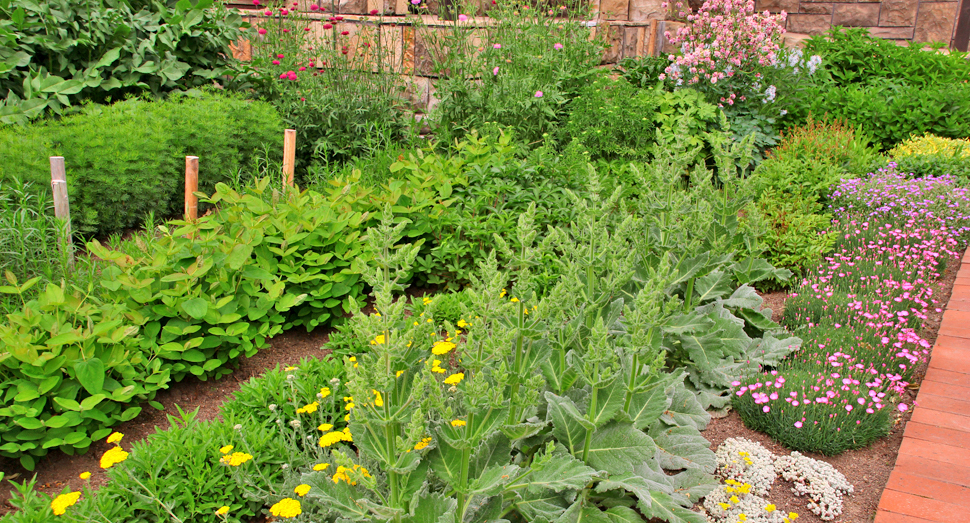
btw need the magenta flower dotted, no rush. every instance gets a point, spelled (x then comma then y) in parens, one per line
(276, 62)
(902, 407)
(281, 56)
(497, 46)
(557, 46)
(798, 424)
(495, 71)
(462, 18)
(314, 7)
(538, 94)
(261, 31)
(328, 26)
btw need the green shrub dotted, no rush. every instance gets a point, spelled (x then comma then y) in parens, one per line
(852, 56)
(58, 53)
(644, 72)
(933, 156)
(72, 366)
(793, 228)
(127, 160)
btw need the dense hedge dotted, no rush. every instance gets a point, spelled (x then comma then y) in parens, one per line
(127, 160)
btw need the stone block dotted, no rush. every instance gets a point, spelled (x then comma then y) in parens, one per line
(667, 48)
(898, 13)
(892, 33)
(935, 22)
(856, 15)
(795, 40)
(630, 42)
(642, 10)
(351, 7)
(614, 44)
(809, 24)
(777, 6)
(817, 8)
(614, 9)
(407, 50)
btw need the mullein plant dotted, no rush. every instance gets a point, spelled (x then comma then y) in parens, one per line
(454, 421)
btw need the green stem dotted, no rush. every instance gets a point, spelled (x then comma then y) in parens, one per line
(632, 383)
(392, 477)
(516, 370)
(689, 295)
(591, 414)
(463, 482)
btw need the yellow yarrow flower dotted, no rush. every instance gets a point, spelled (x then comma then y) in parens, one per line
(793, 516)
(353, 359)
(462, 324)
(422, 444)
(398, 374)
(321, 466)
(742, 517)
(330, 438)
(455, 379)
(223, 510)
(514, 300)
(308, 409)
(770, 507)
(502, 294)
(85, 475)
(442, 347)
(235, 459)
(115, 437)
(324, 392)
(325, 427)
(379, 340)
(458, 423)
(227, 449)
(286, 508)
(301, 490)
(735, 500)
(112, 457)
(288, 369)
(378, 400)
(60, 503)
(724, 506)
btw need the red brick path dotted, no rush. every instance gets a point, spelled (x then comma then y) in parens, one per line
(931, 481)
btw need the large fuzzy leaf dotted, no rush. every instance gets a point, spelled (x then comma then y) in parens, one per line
(339, 498)
(560, 472)
(711, 286)
(493, 479)
(623, 515)
(647, 405)
(446, 463)
(682, 448)
(568, 424)
(583, 512)
(744, 297)
(684, 409)
(493, 450)
(542, 505)
(609, 401)
(433, 508)
(619, 447)
(691, 485)
(662, 506)
(770, 350)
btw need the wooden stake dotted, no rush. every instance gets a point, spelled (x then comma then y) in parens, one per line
(62, 208)
(191, 186)
(289, 156)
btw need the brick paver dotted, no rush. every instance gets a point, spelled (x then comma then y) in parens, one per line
(931, 478)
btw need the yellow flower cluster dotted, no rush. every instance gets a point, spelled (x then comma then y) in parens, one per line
(324, 392)
(463, 324)
(423, 443)
(455, 379)
(458, 423)
(736, 486)
(308, 409)
(301, 490)
(435, 367)
(931, 145)
(336, 436)
(223, 510)
(426, 300)
(442, 347)
(325, 427)
(85, 475)
(379, 340)
(353, 359)
(288, 369)
(321, 466)
(235, 459)
(115, 437)
(60, 503)
(286, 508)
(378, 400)
(112, 457)
(341, 474)
(227, 449)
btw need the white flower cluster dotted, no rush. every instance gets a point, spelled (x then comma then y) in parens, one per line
(727, 505)
(796, 61)
(748, 462)
(824, 485)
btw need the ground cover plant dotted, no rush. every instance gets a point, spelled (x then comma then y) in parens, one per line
(59, 53)
(859, 313)
(933, 156)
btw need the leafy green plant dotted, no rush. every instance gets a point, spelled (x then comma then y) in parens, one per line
(127, 160)
(794, 230)
(612, 118)
(933, 156)
(645, 72)
(532, 64)
(73, 365)
(58, 53)
(853, 56)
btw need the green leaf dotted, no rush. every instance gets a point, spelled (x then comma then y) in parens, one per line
(647, 405)
(609, 401)
(568, 425)
(623, 515)
(90, 374)
(582, 512)
(196, 308)
(108, 58)
(560, 472)
(239, 255)
(682, 448)
(493, 480)
(433, 508)
(68, 404)
(684, 409)
(446, 463)
(542, 505)
(619, 447)
(91, 402)
(662, 506)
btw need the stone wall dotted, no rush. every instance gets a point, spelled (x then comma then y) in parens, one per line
(918, 20)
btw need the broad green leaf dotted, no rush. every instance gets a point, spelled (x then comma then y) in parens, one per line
(92, 401)
(196, 307)
(770, 350)
(662, 506)
(647, 406)
(684, 409)
(433, 508)
(108, 58)
(583, 512)
(446, 463)
(682, 448)
(713, 285)
(609, 401)
(493, 479)
(619, 447)
(623, 515)
(339, 498)
(560, 472)
(744, 297)
(238, 256)
(568, 425)
(495, 450)
(90, 374)
(543, 505)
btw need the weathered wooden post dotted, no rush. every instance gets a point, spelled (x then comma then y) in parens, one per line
(62, 208)
(191, 186)
(289, 156)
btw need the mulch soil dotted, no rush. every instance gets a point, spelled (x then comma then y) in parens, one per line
(867, 469)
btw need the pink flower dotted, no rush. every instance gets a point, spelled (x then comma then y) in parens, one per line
(538, 94)
(284, 12)
(280, 56)
(374, 12)
(497, 46)
(902, 407)
(495, 71)
(557, 46)
(314, 7)
(268, 13)
(302, 69)
(766, 409)
(276, 62)
(798, 424)
(328, 26)
(255, 2)
(261, 31)
(462, 18)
